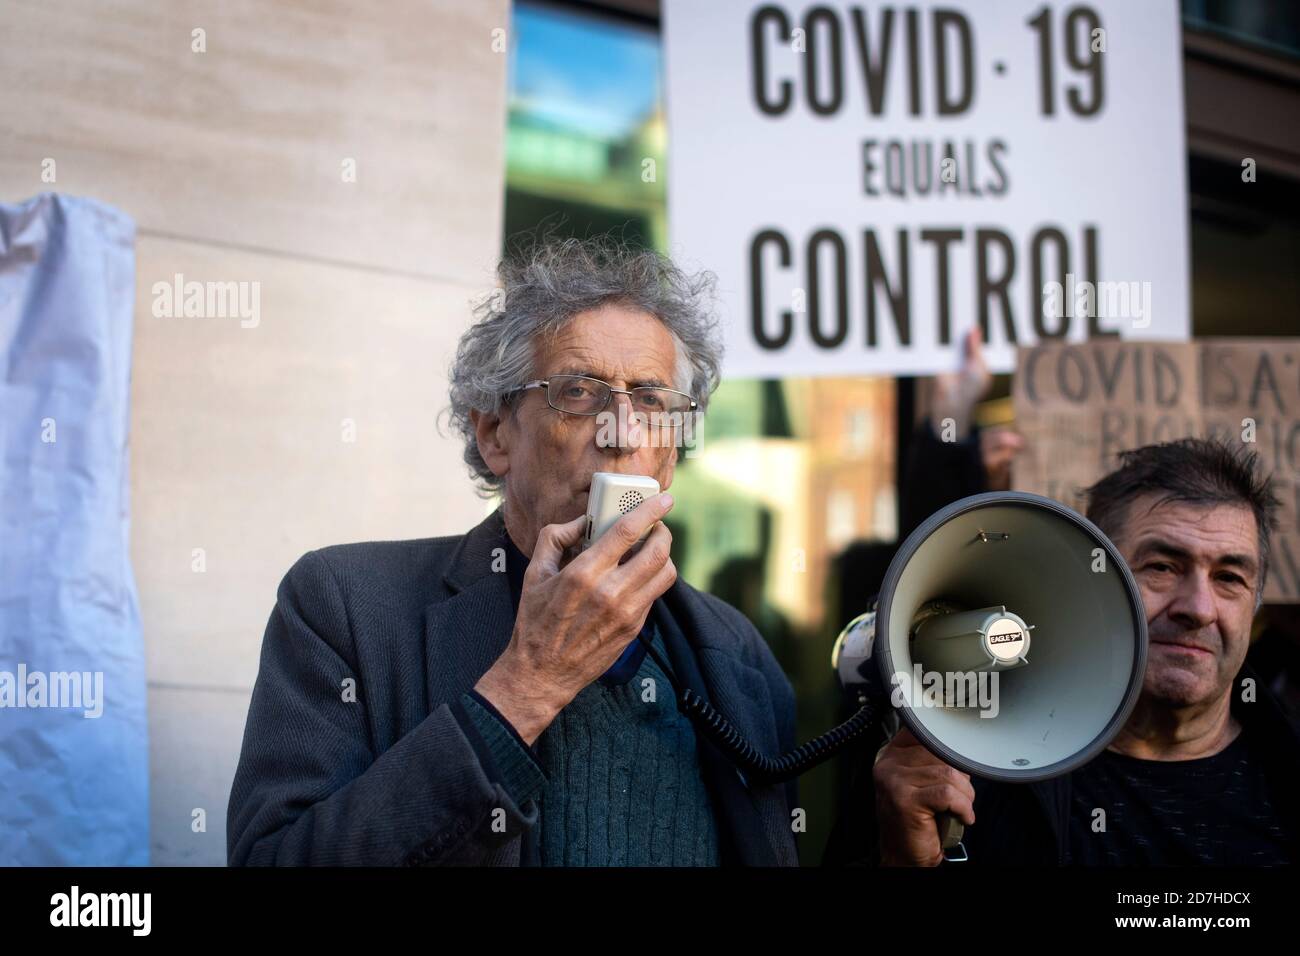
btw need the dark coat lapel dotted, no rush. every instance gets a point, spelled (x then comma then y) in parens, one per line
(705, 654)
(467, 632)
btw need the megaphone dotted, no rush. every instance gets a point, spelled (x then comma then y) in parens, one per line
(1009, 635)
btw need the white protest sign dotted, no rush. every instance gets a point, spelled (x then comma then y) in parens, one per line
(871, 180)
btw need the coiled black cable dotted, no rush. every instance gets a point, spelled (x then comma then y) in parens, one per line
(758, 766)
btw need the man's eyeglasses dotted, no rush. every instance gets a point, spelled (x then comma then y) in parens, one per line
(583, 395)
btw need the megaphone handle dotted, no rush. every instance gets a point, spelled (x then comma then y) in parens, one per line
(951, 829)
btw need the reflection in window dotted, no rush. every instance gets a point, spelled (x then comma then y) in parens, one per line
(585, 134)
(1273, 24)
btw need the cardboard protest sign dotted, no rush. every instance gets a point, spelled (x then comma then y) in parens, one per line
(1078, 406)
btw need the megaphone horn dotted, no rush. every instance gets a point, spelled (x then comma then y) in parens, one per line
(1009, 634)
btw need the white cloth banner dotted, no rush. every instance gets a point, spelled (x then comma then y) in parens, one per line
(73, 733)
(869, 181)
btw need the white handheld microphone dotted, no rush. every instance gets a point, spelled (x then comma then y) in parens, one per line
(611, 496)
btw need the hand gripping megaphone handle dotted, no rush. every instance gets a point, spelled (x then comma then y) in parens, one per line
(951, 829)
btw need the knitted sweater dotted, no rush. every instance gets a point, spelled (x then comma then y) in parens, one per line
(616, 775)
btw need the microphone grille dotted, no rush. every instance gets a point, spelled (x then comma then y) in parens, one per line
(629, 500)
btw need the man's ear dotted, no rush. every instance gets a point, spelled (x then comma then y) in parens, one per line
(493, 436)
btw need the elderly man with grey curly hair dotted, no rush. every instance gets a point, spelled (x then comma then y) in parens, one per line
(504, 709)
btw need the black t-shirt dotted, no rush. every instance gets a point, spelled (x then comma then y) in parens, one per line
(1212, 810)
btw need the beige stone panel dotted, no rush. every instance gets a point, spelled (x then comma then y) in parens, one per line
(252, 445)
(244, 144)
(194, 741)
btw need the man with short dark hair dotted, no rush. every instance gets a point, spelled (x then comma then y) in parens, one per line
(1204, 770)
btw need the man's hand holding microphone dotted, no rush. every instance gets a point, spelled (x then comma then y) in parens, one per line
(577, 616)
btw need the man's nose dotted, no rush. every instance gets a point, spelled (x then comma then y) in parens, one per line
(1193, 605)
(630, 433)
